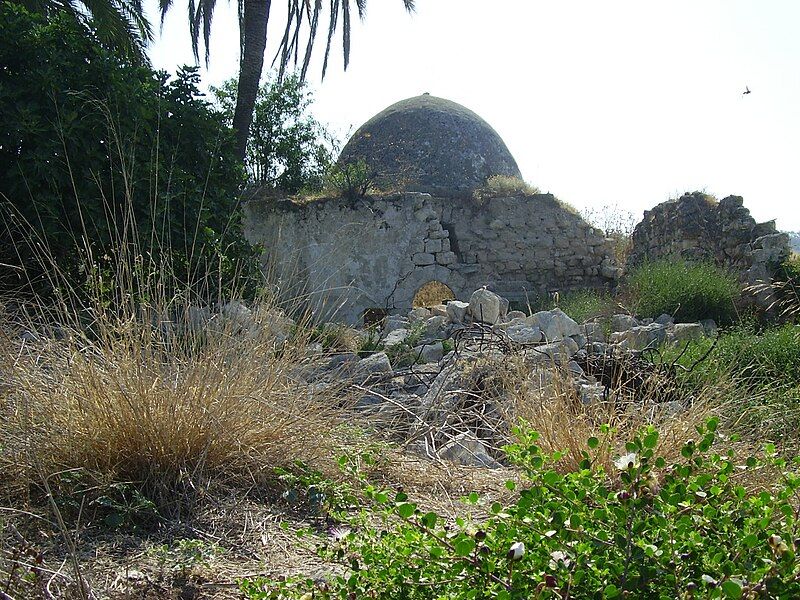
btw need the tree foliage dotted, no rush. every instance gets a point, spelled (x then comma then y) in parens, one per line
(120, 25)
(287, 149)
(98, 151)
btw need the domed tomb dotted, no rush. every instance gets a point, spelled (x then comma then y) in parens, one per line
(429, 144)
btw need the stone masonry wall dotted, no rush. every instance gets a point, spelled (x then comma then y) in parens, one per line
(695, 226)
(378, 252)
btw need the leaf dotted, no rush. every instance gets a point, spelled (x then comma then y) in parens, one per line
(464, 546)
(593, 442)
(732, 588)
(651, 439)
(611, 591)
(406, 509)
(429, 519)
(750, 540)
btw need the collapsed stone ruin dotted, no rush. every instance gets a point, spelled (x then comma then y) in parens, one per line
(373, 255)
(449, 381)
(697, 227)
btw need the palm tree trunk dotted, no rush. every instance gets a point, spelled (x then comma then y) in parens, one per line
(255, 16)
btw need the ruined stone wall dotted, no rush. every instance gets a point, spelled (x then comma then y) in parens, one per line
(697, 227)
(378, 252)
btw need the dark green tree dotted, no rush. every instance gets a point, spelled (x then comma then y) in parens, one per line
(97, 152)
(287, 149)
(118, 24)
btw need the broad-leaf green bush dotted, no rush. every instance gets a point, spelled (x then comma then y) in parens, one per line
(648, 530)
(689, 291)
(99, 155)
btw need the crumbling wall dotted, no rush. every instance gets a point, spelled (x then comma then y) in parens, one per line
(377, 252)
(697, 227)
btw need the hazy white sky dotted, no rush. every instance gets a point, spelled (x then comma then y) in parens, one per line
(603, 103)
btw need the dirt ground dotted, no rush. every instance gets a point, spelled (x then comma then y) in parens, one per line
(230, 536)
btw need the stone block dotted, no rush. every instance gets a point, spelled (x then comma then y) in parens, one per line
(433, 246)
(485, 306)
(423, 258)
(457, 311)
(622, 322)
(446, 258)
(554, 324)
(429, 353)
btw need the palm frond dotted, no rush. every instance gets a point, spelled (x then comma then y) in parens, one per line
(331, 31)
(119, 24)
(346, 32)
(312, 35)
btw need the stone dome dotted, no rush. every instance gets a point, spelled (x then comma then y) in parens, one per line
(429, 144)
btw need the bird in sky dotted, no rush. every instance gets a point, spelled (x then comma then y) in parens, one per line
(746, 91)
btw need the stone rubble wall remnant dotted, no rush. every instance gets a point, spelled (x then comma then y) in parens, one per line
(378, 252)
(697, 227)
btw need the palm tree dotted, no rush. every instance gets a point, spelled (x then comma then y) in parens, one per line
(118, 24)
(253, 19)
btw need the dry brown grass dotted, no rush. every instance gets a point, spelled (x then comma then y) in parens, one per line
(565, 424)
(169, 407)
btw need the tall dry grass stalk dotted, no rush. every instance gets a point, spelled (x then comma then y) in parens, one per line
(171, 408)
(140, 375)
(565, 424)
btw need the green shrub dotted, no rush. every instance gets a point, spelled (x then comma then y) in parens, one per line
(351, 180)
(649, 530)
(786, 284)
(288, 149)
(97, 152)
(583, 305)
(756, 374)
(688, 291)
(755, 358)
(403, 354)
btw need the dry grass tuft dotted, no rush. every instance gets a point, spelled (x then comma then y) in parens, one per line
(169, 406)
(551, 407)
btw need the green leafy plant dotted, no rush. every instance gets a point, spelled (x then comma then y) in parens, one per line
(102, 158)
(288, 149)
(308, 487)
(185, 556)
(689, 291)
(351, 180)
(649, 530)
(403, 354)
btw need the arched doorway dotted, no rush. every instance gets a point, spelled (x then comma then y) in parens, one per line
(431, 294)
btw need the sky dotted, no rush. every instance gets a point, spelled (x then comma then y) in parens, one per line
(613, 106)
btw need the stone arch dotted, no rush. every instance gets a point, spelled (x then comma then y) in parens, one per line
(407, 287)
(432, 293)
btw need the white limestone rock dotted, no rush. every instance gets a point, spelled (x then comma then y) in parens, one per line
(621, 322)
(554, 324)
(430, 353)
(457, 311)
(466, 449)
(397, 336)
(639, 338)
(374, 364)
(485, 306)
(685, 332)
(524, 334)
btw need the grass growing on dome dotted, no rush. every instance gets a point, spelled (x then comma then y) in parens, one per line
(503, 186)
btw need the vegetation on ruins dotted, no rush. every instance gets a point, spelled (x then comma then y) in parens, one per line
(174, 422)
(687, 291)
